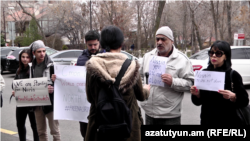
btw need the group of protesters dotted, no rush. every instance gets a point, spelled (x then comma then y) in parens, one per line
(162, 105)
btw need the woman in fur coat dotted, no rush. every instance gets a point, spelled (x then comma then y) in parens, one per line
(106, 66)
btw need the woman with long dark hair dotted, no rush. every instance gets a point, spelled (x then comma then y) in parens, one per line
(219, 108)
(23, 72)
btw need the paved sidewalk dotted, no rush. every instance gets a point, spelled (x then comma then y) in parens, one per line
(7, 137)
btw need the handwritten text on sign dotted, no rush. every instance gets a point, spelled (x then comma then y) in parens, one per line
(209, 80)
(157, 67)
(70, 96)
(31, 92)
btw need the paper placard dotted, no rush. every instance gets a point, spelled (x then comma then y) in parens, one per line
(31, 92)
(209, 80)
(157, 67)
(70, 96)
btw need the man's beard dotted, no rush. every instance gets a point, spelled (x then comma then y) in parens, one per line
(96, 51)
(162, 51)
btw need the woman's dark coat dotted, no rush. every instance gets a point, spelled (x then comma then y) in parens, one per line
(216, 110)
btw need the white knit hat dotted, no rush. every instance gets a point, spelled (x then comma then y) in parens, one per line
(36, 45)
(165, 30)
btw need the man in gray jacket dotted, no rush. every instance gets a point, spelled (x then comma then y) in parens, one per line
(163, 106)
(42, 66)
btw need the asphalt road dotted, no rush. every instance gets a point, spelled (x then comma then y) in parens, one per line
(70, 129)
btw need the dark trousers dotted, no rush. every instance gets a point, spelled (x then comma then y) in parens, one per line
(162, 121)
(21, 114)
(83, 128)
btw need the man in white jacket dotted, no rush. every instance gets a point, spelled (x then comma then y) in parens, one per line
(163, 106)
(2, 86)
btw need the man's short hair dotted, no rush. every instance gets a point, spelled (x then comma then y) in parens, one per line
(92, 35)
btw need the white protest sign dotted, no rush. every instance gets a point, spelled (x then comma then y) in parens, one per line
(31, 92)
(157, 67)
(70, 96)
(209, 80)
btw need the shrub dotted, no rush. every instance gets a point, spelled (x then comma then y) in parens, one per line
(64, 47)
(2, 41)
(31, 34)
(19, 40)
(58, 42)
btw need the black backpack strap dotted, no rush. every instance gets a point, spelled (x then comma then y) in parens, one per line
(231, 79)
(122, 72)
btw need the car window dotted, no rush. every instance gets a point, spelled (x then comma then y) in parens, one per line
(202, 55)
(239, 54)
(78, 53)
(16, 53)
(50, 51)
(5, 51)
(248, 52)
(129, 56)
(70, 54)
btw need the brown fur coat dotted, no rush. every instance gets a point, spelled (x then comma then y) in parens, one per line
(106, 66)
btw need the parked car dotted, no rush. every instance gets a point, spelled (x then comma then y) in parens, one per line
(240, 61)
(4, 52)
(130, 56)
(12, 61)
(64, 57)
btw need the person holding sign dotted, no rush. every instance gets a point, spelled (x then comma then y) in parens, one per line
(102, 70)
(92, 39)
(23, 72)
(42, 66)
(219, 108)
(163, 106)
(2, 86)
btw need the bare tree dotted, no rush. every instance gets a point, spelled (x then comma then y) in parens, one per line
(195, 26)
(40, 28)
(161, 5)
(229, 5)
(215, 18)
(184, 32)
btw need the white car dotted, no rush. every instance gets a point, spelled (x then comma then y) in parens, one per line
(130, 56)
(240, 57)
(64, 57)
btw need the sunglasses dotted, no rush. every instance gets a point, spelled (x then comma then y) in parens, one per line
(217, 53)
(163, 39)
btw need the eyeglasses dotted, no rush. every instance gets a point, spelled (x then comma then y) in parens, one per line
(217, 53)
(163, 39)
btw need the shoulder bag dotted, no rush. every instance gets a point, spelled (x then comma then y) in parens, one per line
(242, 113)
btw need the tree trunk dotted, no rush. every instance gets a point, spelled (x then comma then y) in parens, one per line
(184, 32)
(158, 16)
(198, 36)
(174, 34)
(194, 43)
(229, 6)
(196, 28)
(215, 20)
(222, 22)
(138, 25)
(53, 43)
(111, 13)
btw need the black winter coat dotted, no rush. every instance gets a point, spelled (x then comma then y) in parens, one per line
(23, 74)
(216, 110)
(82, 59)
